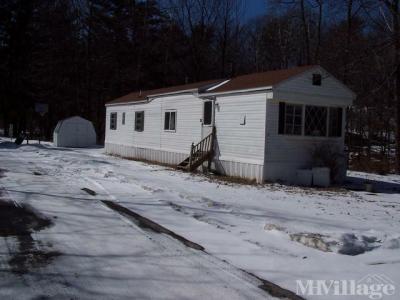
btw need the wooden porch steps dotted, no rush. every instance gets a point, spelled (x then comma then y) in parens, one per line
(199, 153)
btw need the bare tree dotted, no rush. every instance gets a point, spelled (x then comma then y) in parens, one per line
(198, 20)
(393, 26)
(306, 31)
(228, 31)
(320, 4)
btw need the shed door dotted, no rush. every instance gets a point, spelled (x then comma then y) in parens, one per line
(208, 118)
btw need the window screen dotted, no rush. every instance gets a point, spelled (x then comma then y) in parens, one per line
(290, 118)
(208, 112)
(315, 121)
(139, 120)
(170, 120)
(335, 121)
(113, 121)
(293, 119)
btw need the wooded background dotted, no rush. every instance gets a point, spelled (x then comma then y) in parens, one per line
(76, 55)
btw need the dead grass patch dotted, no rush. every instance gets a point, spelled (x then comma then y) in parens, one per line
(374, 163)
(221, 179)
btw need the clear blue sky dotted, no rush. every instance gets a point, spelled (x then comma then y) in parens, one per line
(255, 8)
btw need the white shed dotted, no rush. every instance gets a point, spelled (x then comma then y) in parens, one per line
(74, 132)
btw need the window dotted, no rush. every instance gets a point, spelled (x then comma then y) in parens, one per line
(316, 79)
(335, 121)
(315, 121)
(139, 120)
(170, 120)
(290, 118)
(123, 118)
(113, 121)
(208, 113)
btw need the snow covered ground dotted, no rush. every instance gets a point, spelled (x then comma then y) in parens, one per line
(279, 233)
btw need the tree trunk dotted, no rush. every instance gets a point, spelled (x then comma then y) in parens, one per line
(346, 64)
(396, 40)
(348, 40)
(306, 32)
(318, 47)
(88, 62)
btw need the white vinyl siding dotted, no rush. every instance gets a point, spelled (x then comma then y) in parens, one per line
(188, 126)
(300, 89)
(238, 141)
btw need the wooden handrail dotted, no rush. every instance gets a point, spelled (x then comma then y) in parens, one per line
(201, 149)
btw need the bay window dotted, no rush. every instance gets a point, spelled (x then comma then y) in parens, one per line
(310, 120)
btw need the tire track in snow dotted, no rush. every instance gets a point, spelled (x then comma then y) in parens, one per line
(219, 270)
(203, 258)
(40, 282)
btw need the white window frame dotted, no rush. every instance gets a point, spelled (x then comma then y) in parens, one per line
(169, 123)
(293, 123)
(116, 120)
(303, 122)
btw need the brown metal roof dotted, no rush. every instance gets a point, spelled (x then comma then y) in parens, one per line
(142, 95)
(259, 80)
(244, 82)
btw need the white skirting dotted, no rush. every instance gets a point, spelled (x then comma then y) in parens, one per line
(240, 169)
(161, 156)
(225, 167)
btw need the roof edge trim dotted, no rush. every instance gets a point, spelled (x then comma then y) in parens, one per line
(260, 89)
(218, 85)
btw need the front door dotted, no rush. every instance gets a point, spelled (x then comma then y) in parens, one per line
(208, 118)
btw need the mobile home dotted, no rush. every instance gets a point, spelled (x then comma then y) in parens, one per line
(264, 126)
